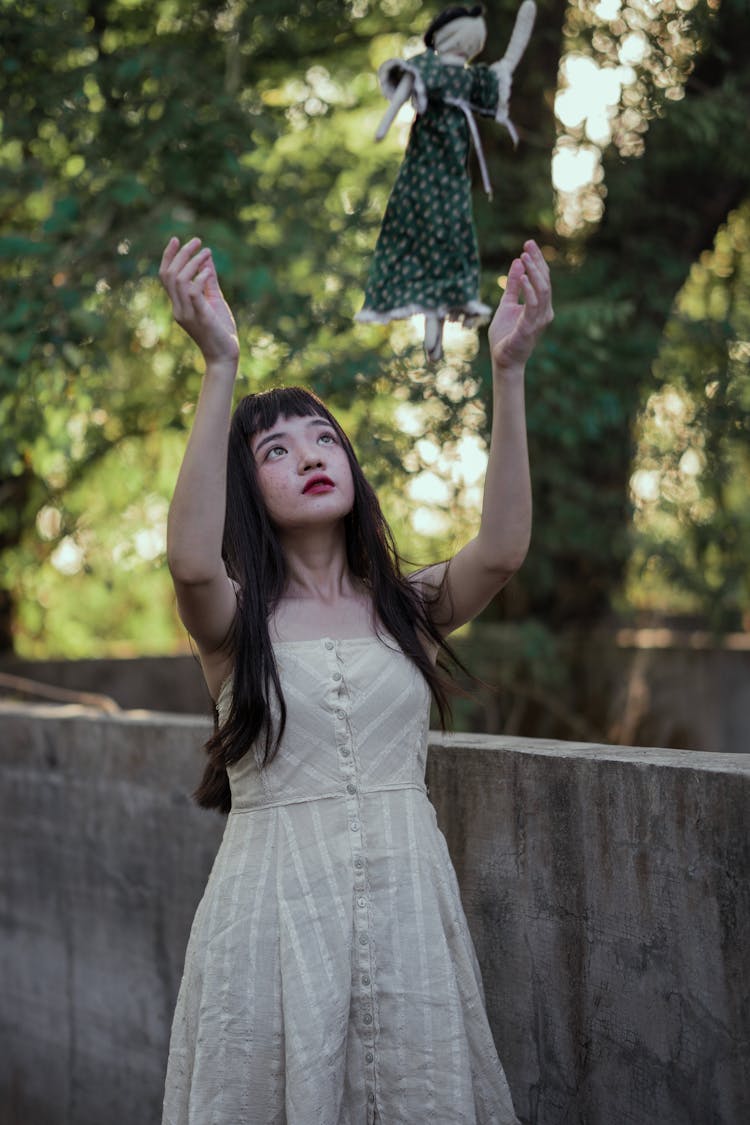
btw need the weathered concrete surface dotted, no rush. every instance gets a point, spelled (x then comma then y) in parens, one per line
(607, 891)
(666, 687)
(162, 683)
(103, 857)
(642, 687)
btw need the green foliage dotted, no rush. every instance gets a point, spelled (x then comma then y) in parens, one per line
(615, 288)
(125, 124)
(251, 124)
(92, 580)
(692, 527)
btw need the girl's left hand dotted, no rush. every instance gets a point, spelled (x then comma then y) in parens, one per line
(189, 276)
(516, 327)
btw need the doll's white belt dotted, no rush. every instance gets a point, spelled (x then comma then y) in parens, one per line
(461, 104)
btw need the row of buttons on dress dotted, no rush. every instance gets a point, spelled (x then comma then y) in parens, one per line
(345, 745)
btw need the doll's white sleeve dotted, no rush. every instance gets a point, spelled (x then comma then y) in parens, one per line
(391, 74)
(510, 60)
(398, 83)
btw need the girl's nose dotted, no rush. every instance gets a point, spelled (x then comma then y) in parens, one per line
(311, 458)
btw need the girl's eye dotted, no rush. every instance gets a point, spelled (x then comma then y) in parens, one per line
(328, 437)
(275, 449)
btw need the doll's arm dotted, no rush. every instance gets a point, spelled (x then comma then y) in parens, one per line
(510, 60)
(398, 97)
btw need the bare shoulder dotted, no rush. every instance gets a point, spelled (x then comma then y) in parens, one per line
(457, 590)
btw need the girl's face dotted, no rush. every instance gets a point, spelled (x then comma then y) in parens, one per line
(303, 472)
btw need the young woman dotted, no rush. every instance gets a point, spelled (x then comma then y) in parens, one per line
(330, 977)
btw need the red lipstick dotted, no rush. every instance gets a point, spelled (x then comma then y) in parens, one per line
(318, 483)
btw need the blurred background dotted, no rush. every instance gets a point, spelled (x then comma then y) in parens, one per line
(251, 124)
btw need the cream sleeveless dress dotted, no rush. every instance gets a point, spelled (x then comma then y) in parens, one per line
(330, 977)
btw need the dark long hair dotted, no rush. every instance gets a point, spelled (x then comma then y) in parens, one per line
(255, 562)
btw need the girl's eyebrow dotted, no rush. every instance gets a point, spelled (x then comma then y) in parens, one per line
(282, 434)
(271, 437)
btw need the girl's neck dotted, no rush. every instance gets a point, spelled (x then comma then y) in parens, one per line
(332, 612)
(317, 568)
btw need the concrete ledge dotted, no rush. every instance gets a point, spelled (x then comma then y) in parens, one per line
(607, 890)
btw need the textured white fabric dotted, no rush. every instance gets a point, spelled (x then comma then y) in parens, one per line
(330, 977)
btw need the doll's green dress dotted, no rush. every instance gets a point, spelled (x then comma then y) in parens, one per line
(426, 258)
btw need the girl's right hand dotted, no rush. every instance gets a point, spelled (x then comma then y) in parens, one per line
(189, 276)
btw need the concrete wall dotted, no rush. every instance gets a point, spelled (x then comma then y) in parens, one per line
(663, 687)
(679, 688)
(163, 683)
(607, 891)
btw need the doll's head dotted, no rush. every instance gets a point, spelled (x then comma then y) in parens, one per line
(458, 31)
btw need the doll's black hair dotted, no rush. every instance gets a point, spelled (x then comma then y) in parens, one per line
(255, 562)
(447, 16)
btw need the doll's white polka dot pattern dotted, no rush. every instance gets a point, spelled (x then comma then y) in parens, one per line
(426, 258)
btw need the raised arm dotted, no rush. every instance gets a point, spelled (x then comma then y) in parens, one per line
(398, 98)
(480, 569)
(205, 595)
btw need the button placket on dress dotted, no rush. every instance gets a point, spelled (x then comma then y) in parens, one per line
(362, 968)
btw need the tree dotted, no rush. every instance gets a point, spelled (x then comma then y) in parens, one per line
(692, 515)
(252, 124)
(125, 124)
(616, 285)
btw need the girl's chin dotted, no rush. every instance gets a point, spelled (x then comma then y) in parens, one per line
(312, 520)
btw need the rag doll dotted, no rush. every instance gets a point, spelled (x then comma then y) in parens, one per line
(426, 259)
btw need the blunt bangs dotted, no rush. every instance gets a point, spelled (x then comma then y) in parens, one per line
(261, 411)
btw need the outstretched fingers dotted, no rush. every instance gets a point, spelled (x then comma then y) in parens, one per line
(180, 266)
(184, 254)
(212, 289)
(530, 292)
(197, 290)
(188, 274)
(168, 256)
(537, 289)
(525, 308)
(172, 259)
(186, 278)
(513, 284)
